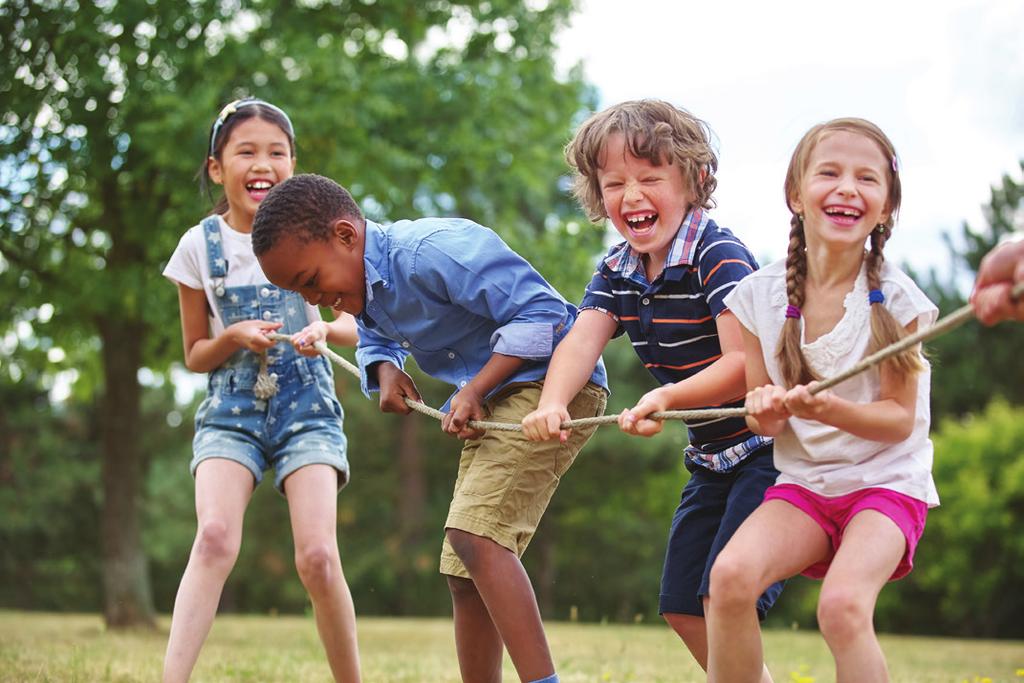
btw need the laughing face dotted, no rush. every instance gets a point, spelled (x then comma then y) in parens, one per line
(328, 272)
(256, 156)
(646, 203)
(844, 192)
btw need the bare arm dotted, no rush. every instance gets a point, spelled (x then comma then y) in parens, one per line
(571, 366)
(341, 331)
(467, 404)
(203, 354)
(766, 412)
(720, 382)
(890, 419)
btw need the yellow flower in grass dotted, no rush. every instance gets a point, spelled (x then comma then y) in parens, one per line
(800, 675)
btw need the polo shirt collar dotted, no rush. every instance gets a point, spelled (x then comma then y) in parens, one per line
(625, 261)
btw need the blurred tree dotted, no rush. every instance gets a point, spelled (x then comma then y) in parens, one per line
(973, 363)
(968, 578)
(436, 107)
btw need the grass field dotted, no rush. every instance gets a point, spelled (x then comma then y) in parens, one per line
(77, 649)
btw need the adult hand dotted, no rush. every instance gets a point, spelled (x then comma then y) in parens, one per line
(1000, 270)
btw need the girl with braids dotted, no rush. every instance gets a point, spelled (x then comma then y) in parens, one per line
(855, 478)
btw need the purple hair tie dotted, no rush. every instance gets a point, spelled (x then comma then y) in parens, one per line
(875, 296)
(792, 311)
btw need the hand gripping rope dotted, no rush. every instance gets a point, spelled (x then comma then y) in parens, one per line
(946, 324)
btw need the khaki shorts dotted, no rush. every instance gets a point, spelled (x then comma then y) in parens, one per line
(506, 481)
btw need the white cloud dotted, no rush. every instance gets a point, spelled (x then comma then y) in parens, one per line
(945, 80)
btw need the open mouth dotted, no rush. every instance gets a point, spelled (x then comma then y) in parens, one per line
(641, 222)
(258, 189)
(843, 215)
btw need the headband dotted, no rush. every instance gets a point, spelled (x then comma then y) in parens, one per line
(232, 107)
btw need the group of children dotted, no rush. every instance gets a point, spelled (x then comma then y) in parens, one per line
(832, 484)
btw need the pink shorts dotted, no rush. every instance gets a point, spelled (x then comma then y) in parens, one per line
(833, 514)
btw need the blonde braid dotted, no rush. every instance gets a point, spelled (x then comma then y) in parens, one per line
(794, 366)
(885, 329)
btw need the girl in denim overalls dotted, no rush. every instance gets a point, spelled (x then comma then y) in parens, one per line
(268, 406)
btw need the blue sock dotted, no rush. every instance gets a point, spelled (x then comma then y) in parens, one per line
(553, 678)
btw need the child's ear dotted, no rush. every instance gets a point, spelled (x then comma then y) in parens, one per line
(345, 231)
(795, 205)
(215, 170)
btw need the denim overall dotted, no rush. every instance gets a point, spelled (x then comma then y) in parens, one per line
(301, 423)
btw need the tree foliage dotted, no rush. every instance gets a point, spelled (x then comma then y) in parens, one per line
(974, 364)
(426, 108)
(109, 105)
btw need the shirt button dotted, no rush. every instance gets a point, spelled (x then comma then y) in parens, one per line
(451, 355)
(645, 301)
(405, 345)
(264, 292)
(267, 315)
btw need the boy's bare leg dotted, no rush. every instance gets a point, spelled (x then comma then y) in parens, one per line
(477, 641)
(692, 630)
(505, 590)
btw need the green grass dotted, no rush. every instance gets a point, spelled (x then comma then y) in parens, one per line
(76, 648)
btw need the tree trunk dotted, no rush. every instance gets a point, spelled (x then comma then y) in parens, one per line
(412, 483)
(545, 546)
(128, 598)
(412, 497)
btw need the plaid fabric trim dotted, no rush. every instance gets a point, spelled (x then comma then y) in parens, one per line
(725, 460)
(626, 260)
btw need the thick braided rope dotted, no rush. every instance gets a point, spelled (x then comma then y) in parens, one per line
(945, 324)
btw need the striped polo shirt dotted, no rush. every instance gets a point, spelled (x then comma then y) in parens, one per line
(671, 321)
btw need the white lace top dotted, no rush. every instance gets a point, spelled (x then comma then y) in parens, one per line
(815, 455)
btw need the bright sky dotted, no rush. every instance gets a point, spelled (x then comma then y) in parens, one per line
(944, 79)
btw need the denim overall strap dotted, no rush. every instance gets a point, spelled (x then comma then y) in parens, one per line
(215, 254)
(266, 382)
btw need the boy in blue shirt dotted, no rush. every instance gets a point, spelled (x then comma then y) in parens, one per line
(649, 168)
(475, 314)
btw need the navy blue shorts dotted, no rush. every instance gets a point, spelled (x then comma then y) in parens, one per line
(711, 508)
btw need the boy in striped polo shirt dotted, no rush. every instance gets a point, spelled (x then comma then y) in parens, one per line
(648, 167)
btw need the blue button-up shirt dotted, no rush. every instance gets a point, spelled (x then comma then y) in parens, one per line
(451, 293)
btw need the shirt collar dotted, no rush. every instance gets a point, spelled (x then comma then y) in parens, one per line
(375, 257)
(625, 260)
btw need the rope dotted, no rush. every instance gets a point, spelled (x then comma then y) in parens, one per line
(941, 326)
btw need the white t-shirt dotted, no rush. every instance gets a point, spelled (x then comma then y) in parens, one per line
(190, 266)
(820, 457)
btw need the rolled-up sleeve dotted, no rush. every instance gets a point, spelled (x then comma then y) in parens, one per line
(373, 348)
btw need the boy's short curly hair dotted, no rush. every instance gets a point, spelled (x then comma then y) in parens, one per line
(654, 130)
(304, 206)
